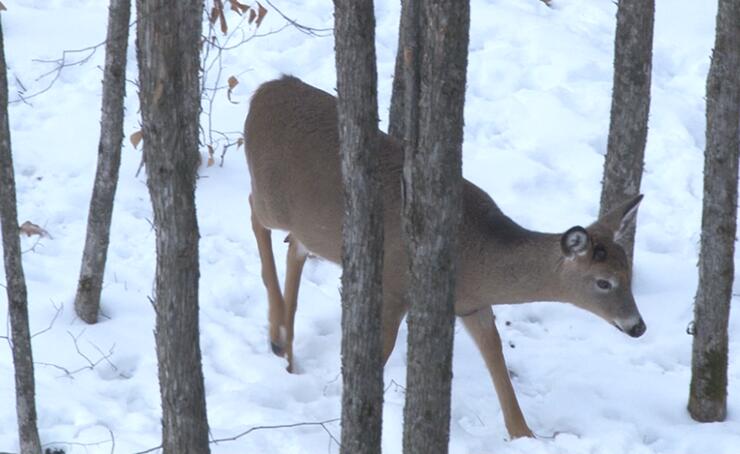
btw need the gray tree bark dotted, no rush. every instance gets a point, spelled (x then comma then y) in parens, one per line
(432, 211)
(362, 229)
(633, 56)
(168, 51)
(708, 390)
(15, 281)
(90, 284)
(407, 40)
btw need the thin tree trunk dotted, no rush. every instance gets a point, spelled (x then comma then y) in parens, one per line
(15, 282)
(432, 211)
(404, 56)
(90, 284)
(708, 391)
(362, 229)
(633, 56)
(168, 45)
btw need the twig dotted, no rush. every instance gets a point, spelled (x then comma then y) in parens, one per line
(112, 440)
(33, 246)
(245, 39)
(393, 384)
(322, 424)
(91, 365)
(67, 372)
(51, 323)
(312, 31)
(106, 358)
(60, 64)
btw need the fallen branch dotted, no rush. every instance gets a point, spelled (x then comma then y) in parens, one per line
(321, 424)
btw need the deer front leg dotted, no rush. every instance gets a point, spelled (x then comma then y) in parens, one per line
(482, 327)
(276, 305)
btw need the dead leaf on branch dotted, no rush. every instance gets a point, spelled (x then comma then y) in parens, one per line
(262, 11)
(214, 15)
(224, 26)
(211, 160)
(2, 7)
(136, 138)
(240, 8)
(233, 82)
(217, 13)
(30, 229)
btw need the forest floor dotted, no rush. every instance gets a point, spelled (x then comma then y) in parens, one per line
(537, 116)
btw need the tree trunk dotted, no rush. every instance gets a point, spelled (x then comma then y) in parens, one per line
(89, 287)
(362, 230)
(407, 37)
(633, 56)
(708, 392)
(15, 282)
(168, 45)
(432, 210)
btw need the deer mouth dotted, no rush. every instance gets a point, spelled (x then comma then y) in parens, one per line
(636, 331)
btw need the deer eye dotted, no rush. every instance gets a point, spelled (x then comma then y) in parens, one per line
(603, 284)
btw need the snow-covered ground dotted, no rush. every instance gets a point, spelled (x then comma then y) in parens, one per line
(537, 114)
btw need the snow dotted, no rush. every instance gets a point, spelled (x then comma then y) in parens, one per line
(537, 114)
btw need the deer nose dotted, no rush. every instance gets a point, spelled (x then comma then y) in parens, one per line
(638, 330)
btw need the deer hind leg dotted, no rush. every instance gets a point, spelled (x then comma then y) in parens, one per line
(482, 327)
(297, 254)
(276, 305)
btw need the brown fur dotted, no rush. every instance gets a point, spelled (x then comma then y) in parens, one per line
(293, 156)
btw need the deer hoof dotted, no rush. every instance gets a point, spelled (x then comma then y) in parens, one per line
(277, 349)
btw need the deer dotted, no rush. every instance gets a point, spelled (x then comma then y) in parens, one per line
(292, 151)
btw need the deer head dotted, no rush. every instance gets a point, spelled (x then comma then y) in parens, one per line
(595, 271)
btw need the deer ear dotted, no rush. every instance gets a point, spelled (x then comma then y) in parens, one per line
(575, 242)
(622, 217)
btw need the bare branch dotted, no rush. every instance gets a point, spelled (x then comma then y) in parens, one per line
(396, 387)
(312, 31)
(51, 323)
(322, 424)
(66, 60)
(33, 247)
(91, 365)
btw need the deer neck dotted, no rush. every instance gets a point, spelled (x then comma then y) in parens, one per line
(519, 269)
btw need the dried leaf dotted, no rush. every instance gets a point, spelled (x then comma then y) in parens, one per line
(233, 82)
(30, 229)
(252, 16)
(238, 7)
(217, 12)
(239, 142)
(214, 15)
(260, 14)
(224, 26)
(211, 160)
(136, 138)
(2, 7)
